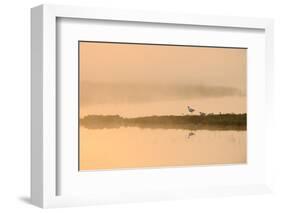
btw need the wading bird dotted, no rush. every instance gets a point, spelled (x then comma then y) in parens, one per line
(190, 109)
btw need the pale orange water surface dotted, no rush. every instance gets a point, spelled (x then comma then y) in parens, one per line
(137, 148)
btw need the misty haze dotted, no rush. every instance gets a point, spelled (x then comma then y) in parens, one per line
(161, 105)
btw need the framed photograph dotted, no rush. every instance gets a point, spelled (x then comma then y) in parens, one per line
(129, 106)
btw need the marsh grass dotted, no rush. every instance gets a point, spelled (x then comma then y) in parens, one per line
(192, 122)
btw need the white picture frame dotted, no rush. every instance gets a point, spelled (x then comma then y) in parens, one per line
(47, 169)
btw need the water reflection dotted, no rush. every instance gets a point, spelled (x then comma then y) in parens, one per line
(189, 135)
(133, 147)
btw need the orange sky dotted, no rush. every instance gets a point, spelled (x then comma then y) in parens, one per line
(128, 74)
(130, 62)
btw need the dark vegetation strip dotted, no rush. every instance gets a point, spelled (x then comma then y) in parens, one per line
(208, 122)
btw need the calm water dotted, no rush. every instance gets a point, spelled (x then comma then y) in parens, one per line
(135, 147)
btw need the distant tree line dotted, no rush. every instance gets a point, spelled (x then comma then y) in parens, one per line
(228, 121)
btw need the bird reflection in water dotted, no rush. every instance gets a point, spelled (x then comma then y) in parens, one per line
(189, 135)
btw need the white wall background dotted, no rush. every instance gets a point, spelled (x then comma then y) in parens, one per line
(15, 105)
